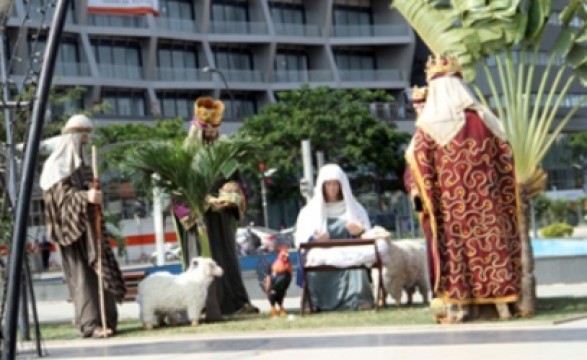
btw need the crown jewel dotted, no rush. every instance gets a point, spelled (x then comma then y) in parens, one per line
(419, 94)
(441, 65)
(208, 111)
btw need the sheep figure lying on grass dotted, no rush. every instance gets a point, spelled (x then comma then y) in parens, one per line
(404, 266)
(163, 292)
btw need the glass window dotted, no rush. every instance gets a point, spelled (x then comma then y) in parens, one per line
(233, 58)
(177, 57)
(177, 9)
(355, 60)
(352, 15)
(34, 6)
(124, 103)
(236, 11)
(177, 104)
(285, 13)
(244, 106)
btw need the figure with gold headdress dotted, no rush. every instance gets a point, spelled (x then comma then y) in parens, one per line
(220, 220)
(463, 170)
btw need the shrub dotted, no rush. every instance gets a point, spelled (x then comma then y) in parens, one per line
(557, 230)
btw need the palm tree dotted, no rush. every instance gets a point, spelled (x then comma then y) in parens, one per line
(510, 33)
(188, 172)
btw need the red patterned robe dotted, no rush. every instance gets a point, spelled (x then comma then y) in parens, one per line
(470, 200)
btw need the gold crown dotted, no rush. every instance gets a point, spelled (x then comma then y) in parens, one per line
(209, 111)
(442, 64)
(419, 94)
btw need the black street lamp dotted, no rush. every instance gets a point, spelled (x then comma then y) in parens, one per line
(208, 69)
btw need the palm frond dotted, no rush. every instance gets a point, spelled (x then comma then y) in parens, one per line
(189, 173)
(470, 29)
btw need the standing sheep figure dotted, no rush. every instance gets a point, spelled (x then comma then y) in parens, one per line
(163, 292)
(404, 266)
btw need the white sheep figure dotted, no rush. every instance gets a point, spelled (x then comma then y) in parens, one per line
(404, 266)
(163, 292)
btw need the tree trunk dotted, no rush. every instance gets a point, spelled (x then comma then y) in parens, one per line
(527, 303)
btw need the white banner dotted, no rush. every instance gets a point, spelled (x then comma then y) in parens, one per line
(124, 7)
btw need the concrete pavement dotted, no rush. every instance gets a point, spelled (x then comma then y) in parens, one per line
(482, 342)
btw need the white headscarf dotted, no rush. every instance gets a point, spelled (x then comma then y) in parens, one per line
(443, 115)
(313, 217)
(67, 156)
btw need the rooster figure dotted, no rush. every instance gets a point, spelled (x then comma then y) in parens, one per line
(276, 280)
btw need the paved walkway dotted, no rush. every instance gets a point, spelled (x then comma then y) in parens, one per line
(481, 342)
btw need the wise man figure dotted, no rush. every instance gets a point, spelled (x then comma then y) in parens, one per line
(227, 295)
(463, 169)
(71, 224)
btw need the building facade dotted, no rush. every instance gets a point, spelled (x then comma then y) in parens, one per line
(153, 67)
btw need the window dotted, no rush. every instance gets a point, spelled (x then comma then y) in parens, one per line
(243, 106)
(352, 15)
(230, 11)
(34, 6)
(177, 9)
(233, 58)
(124, 103)
(68, 59)
(350, 60)
(119, 59)
(177, 56)
(177, 104)
(291, 65)
(287, 13)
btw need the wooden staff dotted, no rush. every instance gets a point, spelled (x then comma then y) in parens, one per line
(98, 223)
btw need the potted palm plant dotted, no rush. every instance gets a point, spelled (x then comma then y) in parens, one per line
(188, 172)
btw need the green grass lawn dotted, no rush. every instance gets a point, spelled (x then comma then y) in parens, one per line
(550, 309)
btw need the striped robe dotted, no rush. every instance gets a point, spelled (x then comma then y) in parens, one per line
(70, 224)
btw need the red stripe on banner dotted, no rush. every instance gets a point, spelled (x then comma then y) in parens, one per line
(123, 11)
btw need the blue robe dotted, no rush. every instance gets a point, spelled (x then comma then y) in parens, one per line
(340, 290)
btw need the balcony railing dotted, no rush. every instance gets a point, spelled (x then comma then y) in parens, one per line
(385, 75)
(118, 21)
(293, 29)
(120, 71)
(370, 30)
(302, 76)
(238, 27)
(181, 74)
(246, 76)
(176, 24)
(71, 69)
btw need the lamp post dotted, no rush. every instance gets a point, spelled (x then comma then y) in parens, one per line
(265, 174)
(208, 69)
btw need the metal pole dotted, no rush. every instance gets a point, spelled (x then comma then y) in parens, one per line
(307, 162)
(264, 200)
(158, 224)
(12, 169)
(28, 176)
